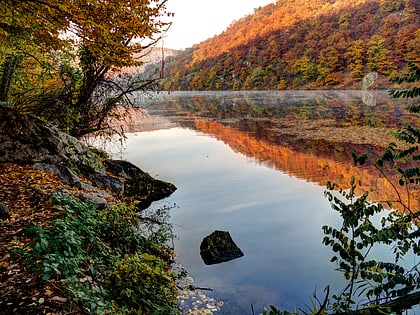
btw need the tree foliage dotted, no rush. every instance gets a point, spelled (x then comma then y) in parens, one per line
(57, 57)
(390, 284)
(318, 43)
(413, 92)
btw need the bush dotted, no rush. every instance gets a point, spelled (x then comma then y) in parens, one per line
(104, 261)
(143, 283)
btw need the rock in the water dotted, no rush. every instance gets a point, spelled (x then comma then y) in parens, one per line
(139, 183)
(4, 211)
(219, 247)
(368, 99)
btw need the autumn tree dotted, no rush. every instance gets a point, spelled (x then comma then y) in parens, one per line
(256, 78)
(306, 69)
(390, 5)
(104, 36)
(328, 63)
(355, 56)
(29, 34)
(379, 56)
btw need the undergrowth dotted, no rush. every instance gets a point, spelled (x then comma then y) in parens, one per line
(102, 260)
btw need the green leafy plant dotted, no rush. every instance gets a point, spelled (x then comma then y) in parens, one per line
(102, 259)
(272, 310)
(413, 92)
(142, 282)
(354, 241)
(389, 286)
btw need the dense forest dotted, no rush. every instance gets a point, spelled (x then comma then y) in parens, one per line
(315, 44)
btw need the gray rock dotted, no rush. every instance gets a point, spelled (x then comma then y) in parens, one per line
(368, 98)
(369, 79)
(114, 184)
(122, 168)
(4, 211)
(97, 192)
(219, 247)
(32, 140)
(101, 203)
(65, 174)
(139, 183)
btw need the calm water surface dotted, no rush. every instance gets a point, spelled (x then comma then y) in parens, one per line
(241, 164)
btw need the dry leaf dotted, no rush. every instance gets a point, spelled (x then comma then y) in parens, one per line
(59, 299)
(48, 292)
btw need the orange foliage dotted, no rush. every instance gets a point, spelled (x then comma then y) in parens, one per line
(303, 165)
(277, 35)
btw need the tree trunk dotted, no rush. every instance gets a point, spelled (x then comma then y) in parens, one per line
(7, 71)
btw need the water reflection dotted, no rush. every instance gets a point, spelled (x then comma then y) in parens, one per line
(307, 134)
(273, 217)
(368, 98)
(338, 107)
(256, 164)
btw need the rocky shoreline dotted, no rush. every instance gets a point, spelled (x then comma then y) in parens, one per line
(37, 161)
(27, 140)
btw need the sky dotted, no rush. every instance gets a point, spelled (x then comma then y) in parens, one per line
(197, 20)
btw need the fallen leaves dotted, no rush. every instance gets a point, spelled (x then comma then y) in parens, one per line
(26, 192)
(58, 299)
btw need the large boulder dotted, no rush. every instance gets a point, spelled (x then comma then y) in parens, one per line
(139, 184)
(27, 139)
(107, 182)
(369, 79)
(66, 175)
(219, 247)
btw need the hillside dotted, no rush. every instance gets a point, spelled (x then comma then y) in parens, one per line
(303, 44)
(153, 55)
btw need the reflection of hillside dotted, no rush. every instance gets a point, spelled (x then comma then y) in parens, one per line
(130, 120)
(308, 166)
(343, 108)
(307, 134)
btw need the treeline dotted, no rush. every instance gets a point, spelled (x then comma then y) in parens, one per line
(302, 44)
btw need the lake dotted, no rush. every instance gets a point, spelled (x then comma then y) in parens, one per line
(256, 164)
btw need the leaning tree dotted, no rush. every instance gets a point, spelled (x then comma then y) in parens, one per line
(57, 56)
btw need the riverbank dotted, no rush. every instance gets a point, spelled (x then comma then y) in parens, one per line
(26, 287)
(71, 240)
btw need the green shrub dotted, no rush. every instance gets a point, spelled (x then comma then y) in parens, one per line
(108, 264)
(142, 282)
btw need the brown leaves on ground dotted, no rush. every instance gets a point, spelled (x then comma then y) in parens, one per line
(26, 192)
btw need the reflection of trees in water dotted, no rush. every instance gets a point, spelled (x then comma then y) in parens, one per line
(305, 134)
(344, 107)
(314, 161)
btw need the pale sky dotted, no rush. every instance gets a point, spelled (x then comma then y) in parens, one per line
(197, 20)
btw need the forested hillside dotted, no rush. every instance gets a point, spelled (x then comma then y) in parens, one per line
(303, 44)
